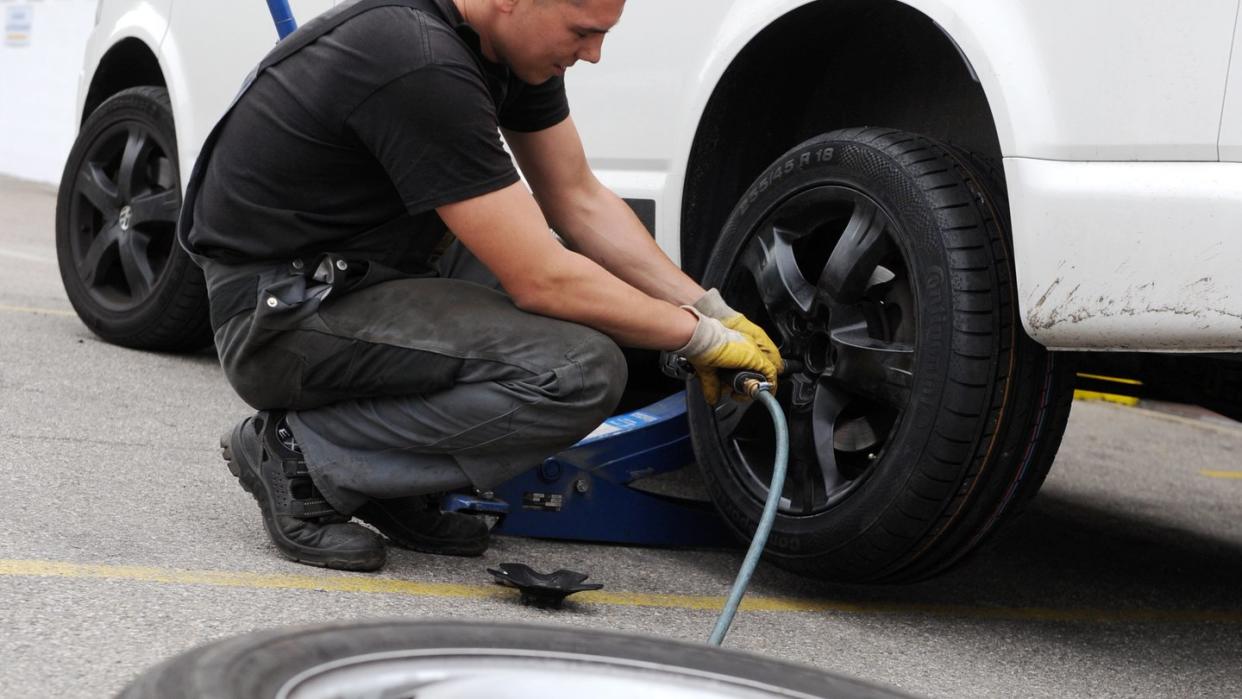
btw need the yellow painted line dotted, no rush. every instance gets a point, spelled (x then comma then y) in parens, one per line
(376, 585)
(1112, 379)
(214, 578)
(38, 311)
(1106, 397)
(1228, 475)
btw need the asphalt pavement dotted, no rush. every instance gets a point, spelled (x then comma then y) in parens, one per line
(124, 540)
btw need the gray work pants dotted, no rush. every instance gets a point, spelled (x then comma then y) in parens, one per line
(415, 386)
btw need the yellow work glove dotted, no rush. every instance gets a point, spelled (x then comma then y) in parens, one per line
(713, 347)
(713, 305)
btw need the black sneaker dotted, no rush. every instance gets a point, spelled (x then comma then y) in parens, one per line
(261, 453)
(417, 523)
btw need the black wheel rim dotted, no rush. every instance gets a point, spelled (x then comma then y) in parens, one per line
(825, 273)
(123, 215)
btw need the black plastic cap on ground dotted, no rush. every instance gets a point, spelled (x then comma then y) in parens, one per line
(546, 591)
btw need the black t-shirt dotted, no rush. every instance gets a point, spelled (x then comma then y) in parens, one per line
(348, 145)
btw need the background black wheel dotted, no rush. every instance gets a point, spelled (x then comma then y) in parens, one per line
(921, 416)
(492, 661)
(116, 219)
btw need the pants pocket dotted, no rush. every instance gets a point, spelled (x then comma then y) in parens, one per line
(284, 303)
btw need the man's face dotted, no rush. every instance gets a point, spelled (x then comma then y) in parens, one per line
(540, 39)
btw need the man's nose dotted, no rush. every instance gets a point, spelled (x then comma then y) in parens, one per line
(592, 50)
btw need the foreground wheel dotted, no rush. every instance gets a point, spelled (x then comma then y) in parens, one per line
(116, 219)
(492, 661)
(920, 415)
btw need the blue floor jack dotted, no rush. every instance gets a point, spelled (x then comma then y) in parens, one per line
(587, 492)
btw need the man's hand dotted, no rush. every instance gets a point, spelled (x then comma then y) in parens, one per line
(713, 305)
(714, 347)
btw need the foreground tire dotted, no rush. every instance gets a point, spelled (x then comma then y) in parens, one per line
(492, 661)
(116, 219)
(921, 417)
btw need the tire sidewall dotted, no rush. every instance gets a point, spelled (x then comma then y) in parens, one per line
(830, 160)
(259, 665)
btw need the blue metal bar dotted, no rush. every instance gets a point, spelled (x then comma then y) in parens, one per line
(282, 15)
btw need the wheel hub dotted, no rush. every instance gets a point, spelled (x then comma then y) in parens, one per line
(125, 218)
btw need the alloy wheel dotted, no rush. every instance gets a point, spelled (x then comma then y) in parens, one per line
(123, 215)
(825, 270)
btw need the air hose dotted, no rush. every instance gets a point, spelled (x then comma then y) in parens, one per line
(756, 387)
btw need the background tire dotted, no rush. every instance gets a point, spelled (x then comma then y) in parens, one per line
(116, 215)
(464, 659)
(921, 416)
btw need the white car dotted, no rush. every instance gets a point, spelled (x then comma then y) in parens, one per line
(927, 202)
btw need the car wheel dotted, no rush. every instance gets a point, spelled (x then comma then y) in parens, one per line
(116, 220)
(463, 659)
(920, 415)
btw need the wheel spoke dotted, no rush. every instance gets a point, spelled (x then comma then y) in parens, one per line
(782, 288)
(135, 263)
(829, 402)
(98, 190)
(136, 149)
(159, 207)
(100, 256)
(165, 175)
(880, 370)
(862, 246)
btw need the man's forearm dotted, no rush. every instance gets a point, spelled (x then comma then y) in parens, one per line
(572, 287)
(602, 227)
(508, 233)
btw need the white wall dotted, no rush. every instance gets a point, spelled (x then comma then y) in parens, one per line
(39, 83)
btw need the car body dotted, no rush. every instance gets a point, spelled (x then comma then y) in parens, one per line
(1121, 133)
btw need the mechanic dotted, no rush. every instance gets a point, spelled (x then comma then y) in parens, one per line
(388, 293)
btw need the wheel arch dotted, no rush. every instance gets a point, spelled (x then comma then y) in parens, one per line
(815, 68)
(128, 63)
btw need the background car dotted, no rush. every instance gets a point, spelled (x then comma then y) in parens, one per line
(942, 210)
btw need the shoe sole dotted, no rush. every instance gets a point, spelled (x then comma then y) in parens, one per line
(250, 481)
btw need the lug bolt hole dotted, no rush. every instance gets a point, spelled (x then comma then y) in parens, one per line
(818, 356)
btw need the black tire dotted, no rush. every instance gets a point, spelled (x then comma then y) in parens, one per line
(921, 416)
(116, 213)
(259, 665)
